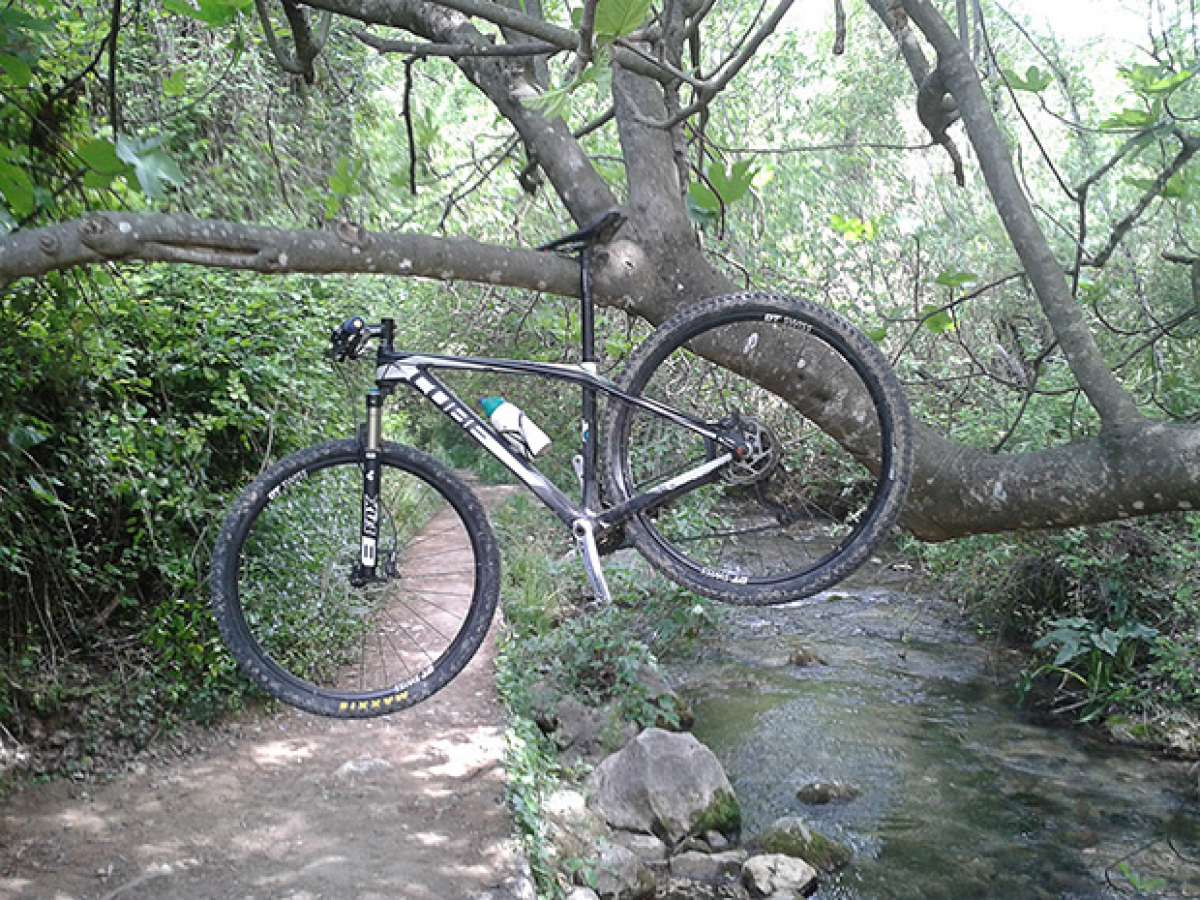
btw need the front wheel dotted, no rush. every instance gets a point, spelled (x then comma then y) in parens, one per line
(287, 590)
(825, 430)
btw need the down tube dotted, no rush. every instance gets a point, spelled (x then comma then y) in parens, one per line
(458, 412)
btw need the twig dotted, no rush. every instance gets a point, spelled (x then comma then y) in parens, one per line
(711, 87)
(408, 127)
(1186, 152)
(114, 111)
(839, 28)
(587, 29)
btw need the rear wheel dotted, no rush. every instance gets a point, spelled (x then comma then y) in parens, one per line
(809, 502)
(289, 603)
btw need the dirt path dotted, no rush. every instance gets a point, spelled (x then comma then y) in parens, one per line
(288, 806)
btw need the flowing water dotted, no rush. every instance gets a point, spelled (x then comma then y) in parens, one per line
(961, 794)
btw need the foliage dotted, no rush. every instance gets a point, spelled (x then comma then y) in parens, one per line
(556, 639)
(1109, 616)
(132, 407)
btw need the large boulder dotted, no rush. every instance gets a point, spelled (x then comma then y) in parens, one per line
(665, 784)
(778, 877)
(791, 836)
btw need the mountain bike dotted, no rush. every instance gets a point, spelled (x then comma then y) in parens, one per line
(358, 577)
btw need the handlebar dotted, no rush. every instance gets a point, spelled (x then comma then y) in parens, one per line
(349, 340)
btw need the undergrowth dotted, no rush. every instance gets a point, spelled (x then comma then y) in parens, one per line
(556, 638)
(130, 414)
(1109, 617)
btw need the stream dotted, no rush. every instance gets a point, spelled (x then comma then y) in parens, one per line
(961, 794)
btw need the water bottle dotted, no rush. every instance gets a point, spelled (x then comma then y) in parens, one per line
(514, 425)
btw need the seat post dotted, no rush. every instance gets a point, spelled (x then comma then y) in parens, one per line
(587, 356)
(587, 309)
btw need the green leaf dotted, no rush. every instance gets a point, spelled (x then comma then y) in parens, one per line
(953, 279)
(236, 46)
(211, 12)
(1090, 291)
(1070, 650)
(877, 334)
(344, 181)
(100, 155)
(733, 183)
(617, 18)
(1176, 188)
(17, 189)
(17, 70)
(703, 198)
(1169, 84)
(554, 103)
(41, 492)
(701, 215)
(175, 84)
(152, 164)
(23, 437)
(853, 228)
(1108, 641)
(12, 20)
(936, 320)
(1130, 118)
(97, 181)
(1034, 80)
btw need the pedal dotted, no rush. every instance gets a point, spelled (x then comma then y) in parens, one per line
(585, 540)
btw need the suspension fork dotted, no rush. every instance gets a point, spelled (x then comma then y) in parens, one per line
(371, 439)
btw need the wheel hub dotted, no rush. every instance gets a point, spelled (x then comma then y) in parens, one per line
(762, 452)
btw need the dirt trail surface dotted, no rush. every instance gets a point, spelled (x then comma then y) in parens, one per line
(288, 805)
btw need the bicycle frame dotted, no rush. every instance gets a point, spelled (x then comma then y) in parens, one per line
(394, 368)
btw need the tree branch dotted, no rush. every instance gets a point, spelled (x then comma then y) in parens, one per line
(1186, 152)
(587, 30)
(107, 237)
(397, 12)
(708, 89)
(455, 51)
(300, 63)
(1113, 403)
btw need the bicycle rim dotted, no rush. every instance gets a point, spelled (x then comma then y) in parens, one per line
(810, 502)
(335, 647)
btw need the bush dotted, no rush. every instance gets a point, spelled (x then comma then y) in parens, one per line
(130, 413)
(1109, 617)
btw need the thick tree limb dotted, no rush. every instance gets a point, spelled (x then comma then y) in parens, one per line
(1105, 393)
(347, 248)
(1148, 468)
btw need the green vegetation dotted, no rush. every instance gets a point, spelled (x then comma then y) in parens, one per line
(136, 399)
(556, 638)
(1110, 618)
